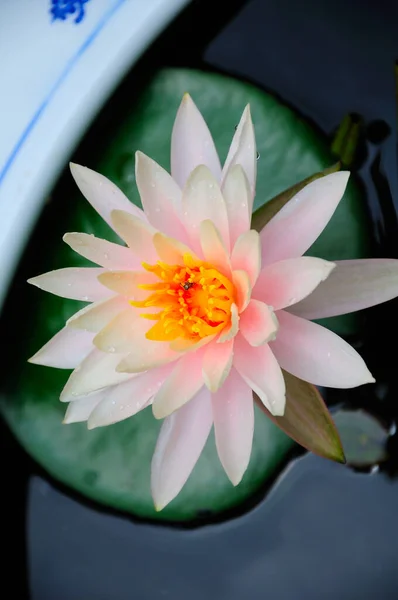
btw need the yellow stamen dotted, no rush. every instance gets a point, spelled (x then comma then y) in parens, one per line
(194, 300)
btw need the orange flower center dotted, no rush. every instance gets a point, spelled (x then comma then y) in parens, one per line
(194, 300)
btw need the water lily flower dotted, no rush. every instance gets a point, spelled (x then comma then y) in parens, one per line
(197, 310)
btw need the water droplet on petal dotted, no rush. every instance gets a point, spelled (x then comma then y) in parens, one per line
(106, 256)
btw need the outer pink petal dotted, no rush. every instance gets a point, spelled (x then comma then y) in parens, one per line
(181, 440)
(95, 316)
(102, 194)
(233, 415)
(238, 198)
(96, 372)
(181, 386)
(101, 252)
(213, 247)
(246, 255)
(160, 196)
(191, 144)
(288, 281)
(127, 283)
(65, 350)
(317, 355)
(260, 369)
(300, 222)
(127, 399)
(81, 409)
(202, 200)
(230, 331)
(217, 362)
(352, 286)
(258, 323)
(243, 152)
(73, 282)
(137, 234)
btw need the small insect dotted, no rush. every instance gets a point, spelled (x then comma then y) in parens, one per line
(187, 285)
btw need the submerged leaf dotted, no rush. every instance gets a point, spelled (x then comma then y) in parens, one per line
(364, 438)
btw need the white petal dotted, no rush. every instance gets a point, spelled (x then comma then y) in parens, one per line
(73, 282)
(65, 350)
(137, 234)
(317, 355)
(103, 195)
(101, 252)
(243, 152)
(301, 221)
(213, 247)
(233, 415)
(202, 200)
(288, 281)
(180, 443)
(81, 409)
(160, 196)
(217, 362)
(96, 372)
(191, 144)
(352, 286)
(260, 369)
(181, 386)
(95, 316)
(127, 399)
(246, 255)
(238, 198)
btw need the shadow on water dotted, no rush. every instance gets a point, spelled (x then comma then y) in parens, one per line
(324, 530)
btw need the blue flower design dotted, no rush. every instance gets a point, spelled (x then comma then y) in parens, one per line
(62, 9)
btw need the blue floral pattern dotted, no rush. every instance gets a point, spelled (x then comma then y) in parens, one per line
(62, 9)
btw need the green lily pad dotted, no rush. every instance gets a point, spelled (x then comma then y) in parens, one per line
(112, 464)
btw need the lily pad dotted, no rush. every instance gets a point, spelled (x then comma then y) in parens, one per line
(112, 465)
(364, 438)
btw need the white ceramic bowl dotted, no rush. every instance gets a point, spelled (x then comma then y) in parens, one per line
(61, 59)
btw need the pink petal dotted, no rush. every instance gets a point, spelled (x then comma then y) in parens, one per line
(169, 250)
(127, 283)
(258, 323)
(301, 221)
(243, 289)
(96, 372)
(65, 350)
(230, 331)
(213, 247)
(243, 152)
(181, 386)
(95, 316)
(233, 415)
(137, 234)
(191, 144)
(103, 195)
(81, 409)
(260, 369)
(217, 362)
(288, 281)
(127, 399)
(246, 255)
(202, 200)
(160, 196)
(238, 198)
(317, 355)
(181, 440)
(101, 252)
(352, 286)
(73, 282)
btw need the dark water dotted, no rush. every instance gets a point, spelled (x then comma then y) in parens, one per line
(323, 531)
